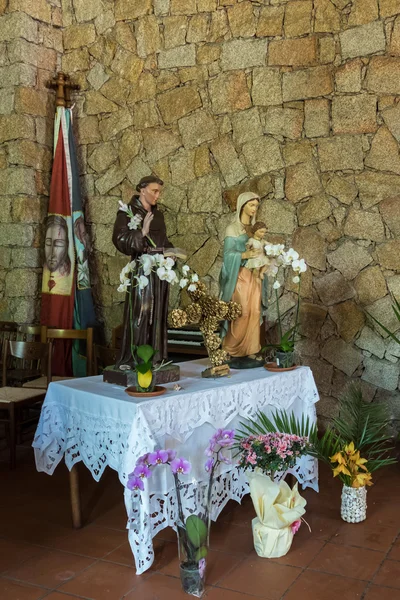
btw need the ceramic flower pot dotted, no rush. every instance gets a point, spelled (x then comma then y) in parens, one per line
(354, 504)
(284, 359)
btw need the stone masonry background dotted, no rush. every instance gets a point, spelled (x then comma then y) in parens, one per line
(294, 99)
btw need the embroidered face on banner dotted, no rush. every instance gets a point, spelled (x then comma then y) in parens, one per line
(57, 272)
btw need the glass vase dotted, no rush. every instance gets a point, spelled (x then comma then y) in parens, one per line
(284, 360)
(193, 529)
(354, 504)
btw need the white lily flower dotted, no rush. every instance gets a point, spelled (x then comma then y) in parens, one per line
(195, 277)
(159, 259)
(162, 273)
(169, 263)
(185, 269)
(299, 266)
(124, 286)
(183, 282)
(123, 206)
(268, 249)
(296, 279)
(135, 222)
(192, 287)
(142, 281)
(147, 261)
(171, 276)
(276, 285)
(292, 254)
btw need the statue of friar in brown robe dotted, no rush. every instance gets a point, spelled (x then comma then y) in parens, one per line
(146, 319)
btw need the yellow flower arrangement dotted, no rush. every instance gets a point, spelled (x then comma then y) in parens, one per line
(350, 467)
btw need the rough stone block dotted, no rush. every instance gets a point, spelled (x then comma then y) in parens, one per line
(181, 56)
(137, 169)
(388, 8)
(364, 225)
(348, 76)
(16, 234)
(302, 180)
(286, 122)
(394, 285)
(176, 103)
(394, 48)
(175, 29)
(18, 25)
(241, 19)
(278, 215)
(229, 92)
(38, 9)
(208, 54)
(270, 21)
(322, 373)
(7, 101)
(298, 18)
(327, 49)
(111, 126)
(341, 153)
(127, 66)
(87, 11)
(389, 255)
(317, 117)
(313, 211)
(307, 83)
(342, 356)
(349, 259)
(333, 288)
(205, 195)
(354, 114)
(230, 166)
(17, 181)
(104, 21)
(202, 260)
(96, 104)
(132, 9)
(109, 180)
(262, 155)
(183, 7)
(88, 130)
(370, 285)
(349, 319)
(16, 126)
(390, 211)
(102, 157)
(219, 26)
(363, 40)
(26, 257)
(246, 125)
(384, 154)
(370, 341)
(32, 102)
(297, 152)
(327, 17)
(391, 117)
(159, 143)
(374, 187)
(383, 75)
(342, 188)
(147, 36)
(243, 53)
(382, 311)
(77, 36)
(182, 167)
(297, 52)
(198, 29)
(145, 115)
(312, 317)
(381, 373)
(311, 246)
(197, 128)
(267, 87)
(363, 11)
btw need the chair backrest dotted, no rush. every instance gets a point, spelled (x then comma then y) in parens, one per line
(8, 331)
(116, 337)
(30, 333)
(49, 333)
(103, 357)
(27, 353)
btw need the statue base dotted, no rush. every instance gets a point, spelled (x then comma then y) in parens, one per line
(246, 362)
(220, 371)
(167, 374)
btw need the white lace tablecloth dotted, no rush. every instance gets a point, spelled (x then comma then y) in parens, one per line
(98, 423)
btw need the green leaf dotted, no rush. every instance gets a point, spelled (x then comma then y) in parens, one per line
(201, 553)
(145, 352)
(196, 530)
(143, 367)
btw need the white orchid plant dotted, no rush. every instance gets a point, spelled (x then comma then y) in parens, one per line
(282, 259)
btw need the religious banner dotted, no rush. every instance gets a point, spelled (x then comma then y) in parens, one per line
(66, 293)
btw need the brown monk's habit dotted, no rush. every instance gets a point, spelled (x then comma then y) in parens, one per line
(147, 316)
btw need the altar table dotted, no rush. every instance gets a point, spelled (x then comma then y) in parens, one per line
(100, 424)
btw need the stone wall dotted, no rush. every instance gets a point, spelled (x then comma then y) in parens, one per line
(30, 45)
(294, 99)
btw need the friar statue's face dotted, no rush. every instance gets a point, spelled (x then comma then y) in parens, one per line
(150, 194)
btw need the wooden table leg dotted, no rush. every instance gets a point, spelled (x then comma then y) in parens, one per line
(75, 497)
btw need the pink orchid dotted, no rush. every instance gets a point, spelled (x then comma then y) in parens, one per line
(135, 483)
(159, 458)
(209, 464)
(142, 471)
(181, 466)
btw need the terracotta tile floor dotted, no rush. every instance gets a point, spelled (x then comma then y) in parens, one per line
(41, 556)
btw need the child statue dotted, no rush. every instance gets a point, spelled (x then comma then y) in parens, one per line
(260, 263)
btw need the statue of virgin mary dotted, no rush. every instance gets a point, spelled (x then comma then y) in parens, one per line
(241, 338)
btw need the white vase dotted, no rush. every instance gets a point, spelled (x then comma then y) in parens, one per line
(354, 504)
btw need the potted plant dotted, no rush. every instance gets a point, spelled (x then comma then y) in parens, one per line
(193, 529)
(281, 260)
(354, 446)
(279, 509)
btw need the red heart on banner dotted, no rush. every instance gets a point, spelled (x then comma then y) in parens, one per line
(51, 283)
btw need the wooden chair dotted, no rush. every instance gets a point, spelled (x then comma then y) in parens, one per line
(48, 333)
(103, 357)
(18, 373)
(8, 331)
(14, 399)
